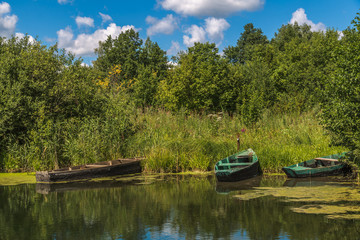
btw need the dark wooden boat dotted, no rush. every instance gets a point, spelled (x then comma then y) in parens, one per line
(317, 167)
(240, 166)
(94, 170)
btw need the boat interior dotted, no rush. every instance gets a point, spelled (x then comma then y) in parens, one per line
(320, 162)
(240, 161)
(98, 164)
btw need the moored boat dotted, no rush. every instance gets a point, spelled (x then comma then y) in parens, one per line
(240, 166)
(94, 170)
(317, 167)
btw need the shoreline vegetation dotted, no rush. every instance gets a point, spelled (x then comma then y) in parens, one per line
(291, 98)
(180, 142)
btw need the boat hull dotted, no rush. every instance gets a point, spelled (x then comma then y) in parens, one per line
(240, 174)
(317, 167)
(240, 166)
(316, 172)
(102, 169)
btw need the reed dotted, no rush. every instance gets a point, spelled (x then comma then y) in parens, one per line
(172, 142)
(187, 142)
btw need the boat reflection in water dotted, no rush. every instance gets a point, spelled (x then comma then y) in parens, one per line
(315, 182)
(247, 184)
(165, 207)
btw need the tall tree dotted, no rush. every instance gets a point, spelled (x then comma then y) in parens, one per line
(246, 44)
(196, 83)
(301, 65)
(152, 69)
(123, 50)
(41, 88)
(342, 109)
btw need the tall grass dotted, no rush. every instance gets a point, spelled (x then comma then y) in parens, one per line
(171, 142)
(182, 142)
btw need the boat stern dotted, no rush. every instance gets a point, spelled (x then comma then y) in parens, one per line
(42, 176)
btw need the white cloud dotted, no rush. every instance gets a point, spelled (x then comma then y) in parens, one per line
(300, 17)
(7, 22)
(64, 1)
(174, 49)
(4, 8)
(21, 35)
(105, 17)
(215, 28)
(216, 8)
(340, 34)
(85, 44)
(197, 33)
(166, 25)
(84, 21)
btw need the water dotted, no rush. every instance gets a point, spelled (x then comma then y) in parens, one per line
(177, 207)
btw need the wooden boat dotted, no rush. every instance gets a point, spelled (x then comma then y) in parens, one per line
(94, 170)
(317, 167)
(240, 166)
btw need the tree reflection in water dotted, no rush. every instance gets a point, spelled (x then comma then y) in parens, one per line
(178, 207)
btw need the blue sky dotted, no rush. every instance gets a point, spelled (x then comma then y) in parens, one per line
(78, 25)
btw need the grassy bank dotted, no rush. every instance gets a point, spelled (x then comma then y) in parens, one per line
(175, 142)
(180, 142)
(16, 178)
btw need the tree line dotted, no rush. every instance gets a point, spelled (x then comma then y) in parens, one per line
(53, 108)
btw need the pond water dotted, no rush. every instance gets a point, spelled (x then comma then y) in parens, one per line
(181, 207)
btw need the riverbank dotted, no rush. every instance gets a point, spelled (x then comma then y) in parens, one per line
(188, 142)
(7, 179)
(183, 142)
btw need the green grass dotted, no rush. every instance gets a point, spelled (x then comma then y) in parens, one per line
(16, 178)
(180, 142)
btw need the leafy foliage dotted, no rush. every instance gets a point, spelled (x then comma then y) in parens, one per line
(197, 82)
(53, 109)
(342, 109)
(246, 45)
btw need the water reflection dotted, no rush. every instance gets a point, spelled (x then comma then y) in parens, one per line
(313, 182)
(177, 207)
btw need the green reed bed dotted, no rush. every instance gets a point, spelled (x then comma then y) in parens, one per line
(183, 142)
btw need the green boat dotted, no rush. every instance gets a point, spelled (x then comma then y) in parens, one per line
(317, 167)
(240, 166)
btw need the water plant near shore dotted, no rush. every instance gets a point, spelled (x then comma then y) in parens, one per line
(181, 142)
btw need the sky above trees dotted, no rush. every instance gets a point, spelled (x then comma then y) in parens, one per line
(78, 25)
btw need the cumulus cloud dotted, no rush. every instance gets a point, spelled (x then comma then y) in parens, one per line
(21, 35)
(64, 1)
(214, 8)
(85, 44)
(105, 17)
(4, 8)
(174, 49)
(7, 22)
(215, 28)
(214, 31)
(197, 33)
(165, 25)
(300, 17)
(340, 34)
(84, 21)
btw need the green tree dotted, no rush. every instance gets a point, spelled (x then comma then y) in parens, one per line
(152, 69)
(196, 83)
(301, 65)
(246, 45)
(341, 110)
(123, 50)
(41, 89)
